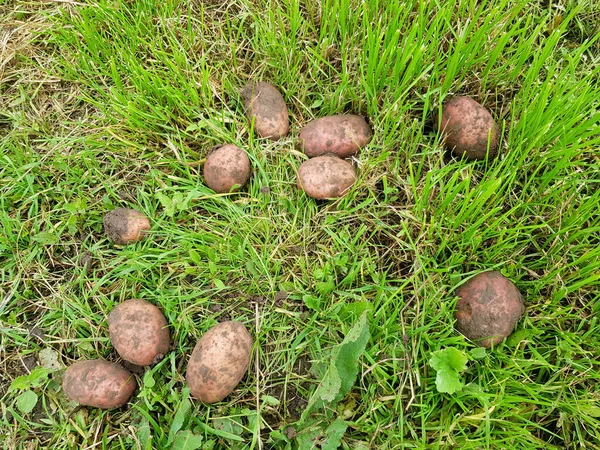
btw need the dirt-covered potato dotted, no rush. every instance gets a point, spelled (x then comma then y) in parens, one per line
(488, 308)
(125, 226)
(226, 167)
(468, 128)
(138, 331)
(98, 383)
(219, 361)
(265, 104)
(342, 135)
(326, 177)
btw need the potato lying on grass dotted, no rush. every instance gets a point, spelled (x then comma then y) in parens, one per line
(468, 129)
(326, 177)
(342, 135)
(98, 383)
(138, 331)
(226, 167)
(219, 361)
(265, 104)
(126, 226)
(488, 309)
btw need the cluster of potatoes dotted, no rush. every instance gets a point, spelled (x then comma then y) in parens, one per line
(139, 333)
(468, 130)
(489, 304)
(328, 141)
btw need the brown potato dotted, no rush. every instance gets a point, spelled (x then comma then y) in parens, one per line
(488, 309)
(98, 383)
(468, 128)
(126, 226)
(219, 361)
(342, 135)
(138, 331)
(326, 177)
(226, 167)
(265, 104)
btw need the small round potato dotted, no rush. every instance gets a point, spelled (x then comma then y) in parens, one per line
(488, 308)
(98, 383)
(265, 104)
(227, 167)
(342, 135)
(219, 361)
(468, 129)
(125, 226)
(326, 177)
(138, 331)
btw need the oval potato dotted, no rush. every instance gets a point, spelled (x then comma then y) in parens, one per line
(468, 128)
(326, 177)
(265, 104)
(226, 167)
(125, 226)
(98, 383)
(138, 331)
(488, 308)
(219, 361)
(341, 135)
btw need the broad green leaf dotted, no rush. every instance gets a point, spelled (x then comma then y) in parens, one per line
(327, 439)
(209, 445)
(46, 238)
(182, 411)
(449, 363)
(331, 385)
(36, 378)
(325, 287)
(27, 401)
(186, 440)
(143, 433)
(343, 369)
(149, 381)
(307, 437)
(592, 411)
(167, 204)
(449, 358)
(478, 352)
(195, 257)
(269, 400)
(448, 381)
(520, 335)
(349, 353)
(229, 425)
(253, 419)
(355, 309)
(333, 435)
(311, 302)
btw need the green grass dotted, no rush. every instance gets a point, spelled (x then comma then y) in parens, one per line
(117, 103)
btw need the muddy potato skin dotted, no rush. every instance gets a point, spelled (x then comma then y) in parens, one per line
(326, 177)
(467, 126)
(138, 331)
(488, 308)
(98, 383)
(125, 226)
(265, 104)
(226, 166)
(342, 135)
(219, 361)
